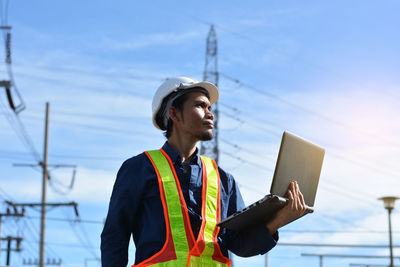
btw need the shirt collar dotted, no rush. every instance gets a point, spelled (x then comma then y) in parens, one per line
(176, 158)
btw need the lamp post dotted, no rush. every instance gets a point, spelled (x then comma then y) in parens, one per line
(388, 203)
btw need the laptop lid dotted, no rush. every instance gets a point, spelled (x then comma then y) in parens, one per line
(298, 160)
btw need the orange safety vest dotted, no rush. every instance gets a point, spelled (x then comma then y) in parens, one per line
(181, 248)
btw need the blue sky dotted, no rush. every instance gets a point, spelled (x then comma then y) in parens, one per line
(328, 71)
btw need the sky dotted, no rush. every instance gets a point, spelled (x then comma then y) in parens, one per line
(327, 71)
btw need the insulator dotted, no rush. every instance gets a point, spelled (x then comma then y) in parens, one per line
(8, 48)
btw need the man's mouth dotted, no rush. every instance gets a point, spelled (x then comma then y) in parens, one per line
(209, 124)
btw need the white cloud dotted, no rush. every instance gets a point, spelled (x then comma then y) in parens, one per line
(149, 40)
(92, 186)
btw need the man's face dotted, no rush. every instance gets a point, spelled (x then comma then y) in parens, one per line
(196, 119)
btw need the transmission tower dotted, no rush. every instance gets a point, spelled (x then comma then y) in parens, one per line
(210, 148)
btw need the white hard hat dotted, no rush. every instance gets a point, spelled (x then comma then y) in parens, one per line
(176, 84)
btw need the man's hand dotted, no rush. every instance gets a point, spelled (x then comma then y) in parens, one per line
(292, 211)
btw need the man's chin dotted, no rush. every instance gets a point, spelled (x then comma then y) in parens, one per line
(206, 136)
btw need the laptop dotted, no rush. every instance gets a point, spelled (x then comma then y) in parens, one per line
(298, 160)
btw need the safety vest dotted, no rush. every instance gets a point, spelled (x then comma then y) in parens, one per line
(181, 248)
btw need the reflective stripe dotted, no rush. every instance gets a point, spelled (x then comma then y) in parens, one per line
(173, 202)
(179, 249)
(207, 239)
(211, 206)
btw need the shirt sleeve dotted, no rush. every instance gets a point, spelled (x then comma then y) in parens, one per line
(122, 209)
(251, 241)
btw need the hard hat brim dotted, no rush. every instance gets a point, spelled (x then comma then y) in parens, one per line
(211, 89)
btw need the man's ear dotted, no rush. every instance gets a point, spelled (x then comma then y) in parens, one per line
(173, 114)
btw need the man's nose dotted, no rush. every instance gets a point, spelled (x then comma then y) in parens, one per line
(209, 115)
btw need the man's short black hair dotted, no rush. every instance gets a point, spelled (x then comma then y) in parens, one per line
(178, 104)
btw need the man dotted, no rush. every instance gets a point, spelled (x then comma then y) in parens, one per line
(170, 199)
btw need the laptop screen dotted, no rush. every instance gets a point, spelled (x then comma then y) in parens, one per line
(298, 160)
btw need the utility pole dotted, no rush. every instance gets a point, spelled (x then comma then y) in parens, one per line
(41, 250)
(45, 177)
(8, 213)
(44, 189)
(9, 249)
(32, 205)
(210, 148)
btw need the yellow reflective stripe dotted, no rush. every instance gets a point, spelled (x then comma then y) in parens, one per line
(204, 261)
(211, 206)
(173, 204)
(171, 263)
(211, 203)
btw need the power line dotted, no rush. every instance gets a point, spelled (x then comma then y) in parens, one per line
(340, 220)
(307, 110)
(281, 51)
(247, 162)
(29, 226)
(111, 130)
(77, 86)
(68, 220)
(12, 87)
(23, 155)
(340, 192)
(20, 130)
(101, 116)
(261, 166)
(261, 128)
(246, 150)
(332, 231)
(132, 75)
(253, 125)
(363, 200)
(387, 174)
(85, 239)
(335, 245)
(319, 213)
(328, 181)
(5, 194)
(64, 245)
(319, 231)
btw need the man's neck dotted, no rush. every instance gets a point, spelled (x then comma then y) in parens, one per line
(185, 148)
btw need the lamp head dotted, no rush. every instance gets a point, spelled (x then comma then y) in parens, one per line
(388, 202)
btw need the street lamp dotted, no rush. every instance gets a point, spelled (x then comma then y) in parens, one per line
(388, 203)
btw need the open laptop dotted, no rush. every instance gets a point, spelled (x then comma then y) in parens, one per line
(298, 160)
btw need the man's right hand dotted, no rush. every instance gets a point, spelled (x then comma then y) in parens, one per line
(292, 211)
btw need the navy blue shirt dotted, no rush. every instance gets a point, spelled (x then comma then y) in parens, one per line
(136, 209)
